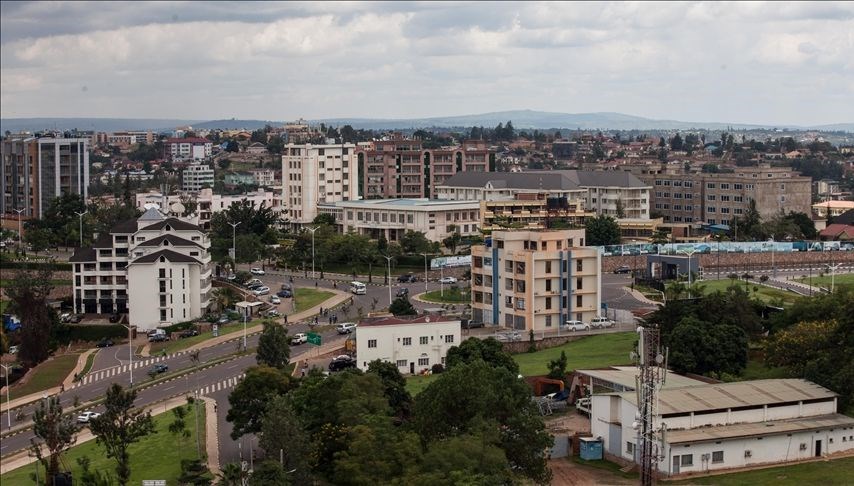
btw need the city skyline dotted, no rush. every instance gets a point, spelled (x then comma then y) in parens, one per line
(758, 63)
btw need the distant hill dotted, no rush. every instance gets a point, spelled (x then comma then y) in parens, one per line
(522, 119)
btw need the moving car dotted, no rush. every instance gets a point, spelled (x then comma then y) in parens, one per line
(104, 343)
(448, 280)
(576, 326)
(402, 292)
(346, 327)
(159, 368)
(285, 294)
(601, 322)
(256, 271)
(261, 291)
(358, 288)
(623, 269)
(408, 278)
(86, 417)
(274, 299)
(342, 363)
(188, 333)
(299, 338)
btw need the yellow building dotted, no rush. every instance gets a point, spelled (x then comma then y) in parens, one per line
(535, 279)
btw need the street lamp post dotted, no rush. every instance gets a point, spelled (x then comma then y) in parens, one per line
(388, 262)
(441, 279)
(8, 408)
(312, 250)
(689, 253)
(773, 264)
(833, 275)
(234, 242)
(80, 215)
(20, 229)
(425, 271)
(130, 352)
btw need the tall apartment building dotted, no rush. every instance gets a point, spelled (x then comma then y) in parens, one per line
(402, 168)
(34, 171)
(718, 198)
(195, 177)
(154, 268)
(313, 174)
(605, 192)
(535, 279)
(188, 148)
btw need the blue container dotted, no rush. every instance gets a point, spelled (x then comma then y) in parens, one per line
(591, 449)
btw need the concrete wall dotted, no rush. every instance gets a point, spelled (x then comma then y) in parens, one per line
(743, 261)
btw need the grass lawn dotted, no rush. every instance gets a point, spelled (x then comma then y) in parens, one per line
(604, 465)
(90, 360)
(416, 384)
(180, 344)
(836, 472)
(308, 298)
(845, 280)
(452, 296)
(765, 294)
(157, 456)
(588, 352)
(46, 375)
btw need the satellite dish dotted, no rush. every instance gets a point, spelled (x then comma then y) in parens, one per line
(177, 208)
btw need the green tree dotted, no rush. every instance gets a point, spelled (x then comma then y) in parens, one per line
(54, 432)
(557, 367)
(267, 473)
(621, 210)
(701, 347)
(414, 242)
(402, 307)
(250, 398)
(28, 293)
(282, 435)
(472, 458)
(394, 384)
(225, 297)
(324, 218)
(378, 453)
(804, 223)
(194, 472)
(231, 474)
(488, 350)
(602, 230)
(120, 426)
(676, 142)
(274, 348)
(88, 477)
(38, 239)
(452, 241)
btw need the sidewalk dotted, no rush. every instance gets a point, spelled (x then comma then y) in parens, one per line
(67, 382)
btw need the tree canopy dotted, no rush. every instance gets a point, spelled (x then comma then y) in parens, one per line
(602, 230)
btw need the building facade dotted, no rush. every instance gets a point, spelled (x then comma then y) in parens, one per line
(413, 345)
(536, 280)
(392, 218)
(178, 149)
(196, 177)
(317, 174)
(831, 209)
(532, 211)
(156, 269)
(34, 171)
(711, 427)
(207, 203)
(263, 177)
(403, 168)
(719, 198)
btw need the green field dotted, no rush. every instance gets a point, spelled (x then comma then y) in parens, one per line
(181, 344)
(308, 298)
(588, 352)
(838, 472)
(840, 281)
(765, 294)
(417, 383)
(452, 296)
(46, 375)
(157, 456)
(90, 360)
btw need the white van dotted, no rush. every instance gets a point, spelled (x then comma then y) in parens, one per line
(358, 288)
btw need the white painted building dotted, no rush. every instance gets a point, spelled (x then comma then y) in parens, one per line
(728, 425)
(188, 148)
(195, 177)
(392, 218)
(414, 345)
(263, 177)
(317, 174)
(156, 269)
(208, 203)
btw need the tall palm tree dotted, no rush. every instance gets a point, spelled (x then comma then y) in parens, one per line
(231, 474)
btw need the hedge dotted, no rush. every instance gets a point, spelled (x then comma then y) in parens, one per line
(76, 332)
(6, 263)
(179, 327)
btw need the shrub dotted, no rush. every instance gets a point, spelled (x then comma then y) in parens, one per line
(437, 368)
(75, 332)
(179, 327)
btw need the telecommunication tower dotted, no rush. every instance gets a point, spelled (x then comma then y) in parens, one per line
(652, 373)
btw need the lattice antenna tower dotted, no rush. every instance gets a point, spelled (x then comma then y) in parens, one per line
(652, 373)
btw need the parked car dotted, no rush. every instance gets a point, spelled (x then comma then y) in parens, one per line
(13, 349)
(623, 269)
(470, 324)
(223, 319)
(408, 278)
(402, 292)
(273, 313)
(448, 280)
(285, 294)
(76, 318)
(159, 368)
(255, 286)
(66, 317)
(104, 343)
(256, 271)
(299, 338)
(346, 327)
(158, 338)
(576, 326)
(252, 282)
(188, 333)
(261, 290)
(86, 417)
(342, 363)
(274, 299)
(601, 322)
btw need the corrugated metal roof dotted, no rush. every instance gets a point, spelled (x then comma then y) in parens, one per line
(546, 179)
(625, 377)
(719, 432)
(736, 394)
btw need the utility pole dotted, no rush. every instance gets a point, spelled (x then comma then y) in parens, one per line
(425, 271)
(388, 262)
(8, 408)
(312, 251)
(689, 253)
(233, 242)
(130, 352)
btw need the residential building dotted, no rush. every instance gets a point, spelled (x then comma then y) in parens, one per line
(612, 193)
(256, 148)
(317, 174)
(156, 269)
(719, 198)
(34, 171)
(207, 203)
(712, 427)
(532, 211)
(196, 177)
(536, 280)
(831, 209)
(413, 345)
(263, 177)
(193, 148)
(402, 168)
(392, 218)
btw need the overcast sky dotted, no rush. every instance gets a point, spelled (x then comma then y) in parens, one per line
(776, 63)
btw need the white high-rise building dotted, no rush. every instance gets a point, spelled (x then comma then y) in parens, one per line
(313, 174)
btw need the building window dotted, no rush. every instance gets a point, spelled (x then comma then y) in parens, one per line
(372, 343)
(630, 448)
(578, 265)
(548, 321)
(422, 340)
(687, 460)
(449, 339)
(548, 267)
(578, 284)
(407, 341)
(548, 285)
(710, 197)
(548, 303)
(520, 303)
(710, 185)
(423, 361)
(717, 457)
(577, 301)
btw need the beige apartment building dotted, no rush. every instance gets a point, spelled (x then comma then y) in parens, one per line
(718, 198)
(317, 174)
(536, 280)
(533, 211)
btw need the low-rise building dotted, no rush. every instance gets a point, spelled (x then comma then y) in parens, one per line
(256, 148)
(156, 269)
(413, 345)
(196, 148)
(196, 177)
(830, 209)
(263, 177)
(532, 211)
(392, 218)
(536, 280)
(711, 427)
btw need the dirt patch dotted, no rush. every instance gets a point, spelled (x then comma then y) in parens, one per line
(566, 472)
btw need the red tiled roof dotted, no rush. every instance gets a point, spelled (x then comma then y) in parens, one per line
(836, 230)
(390, 321)
(188, 140)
